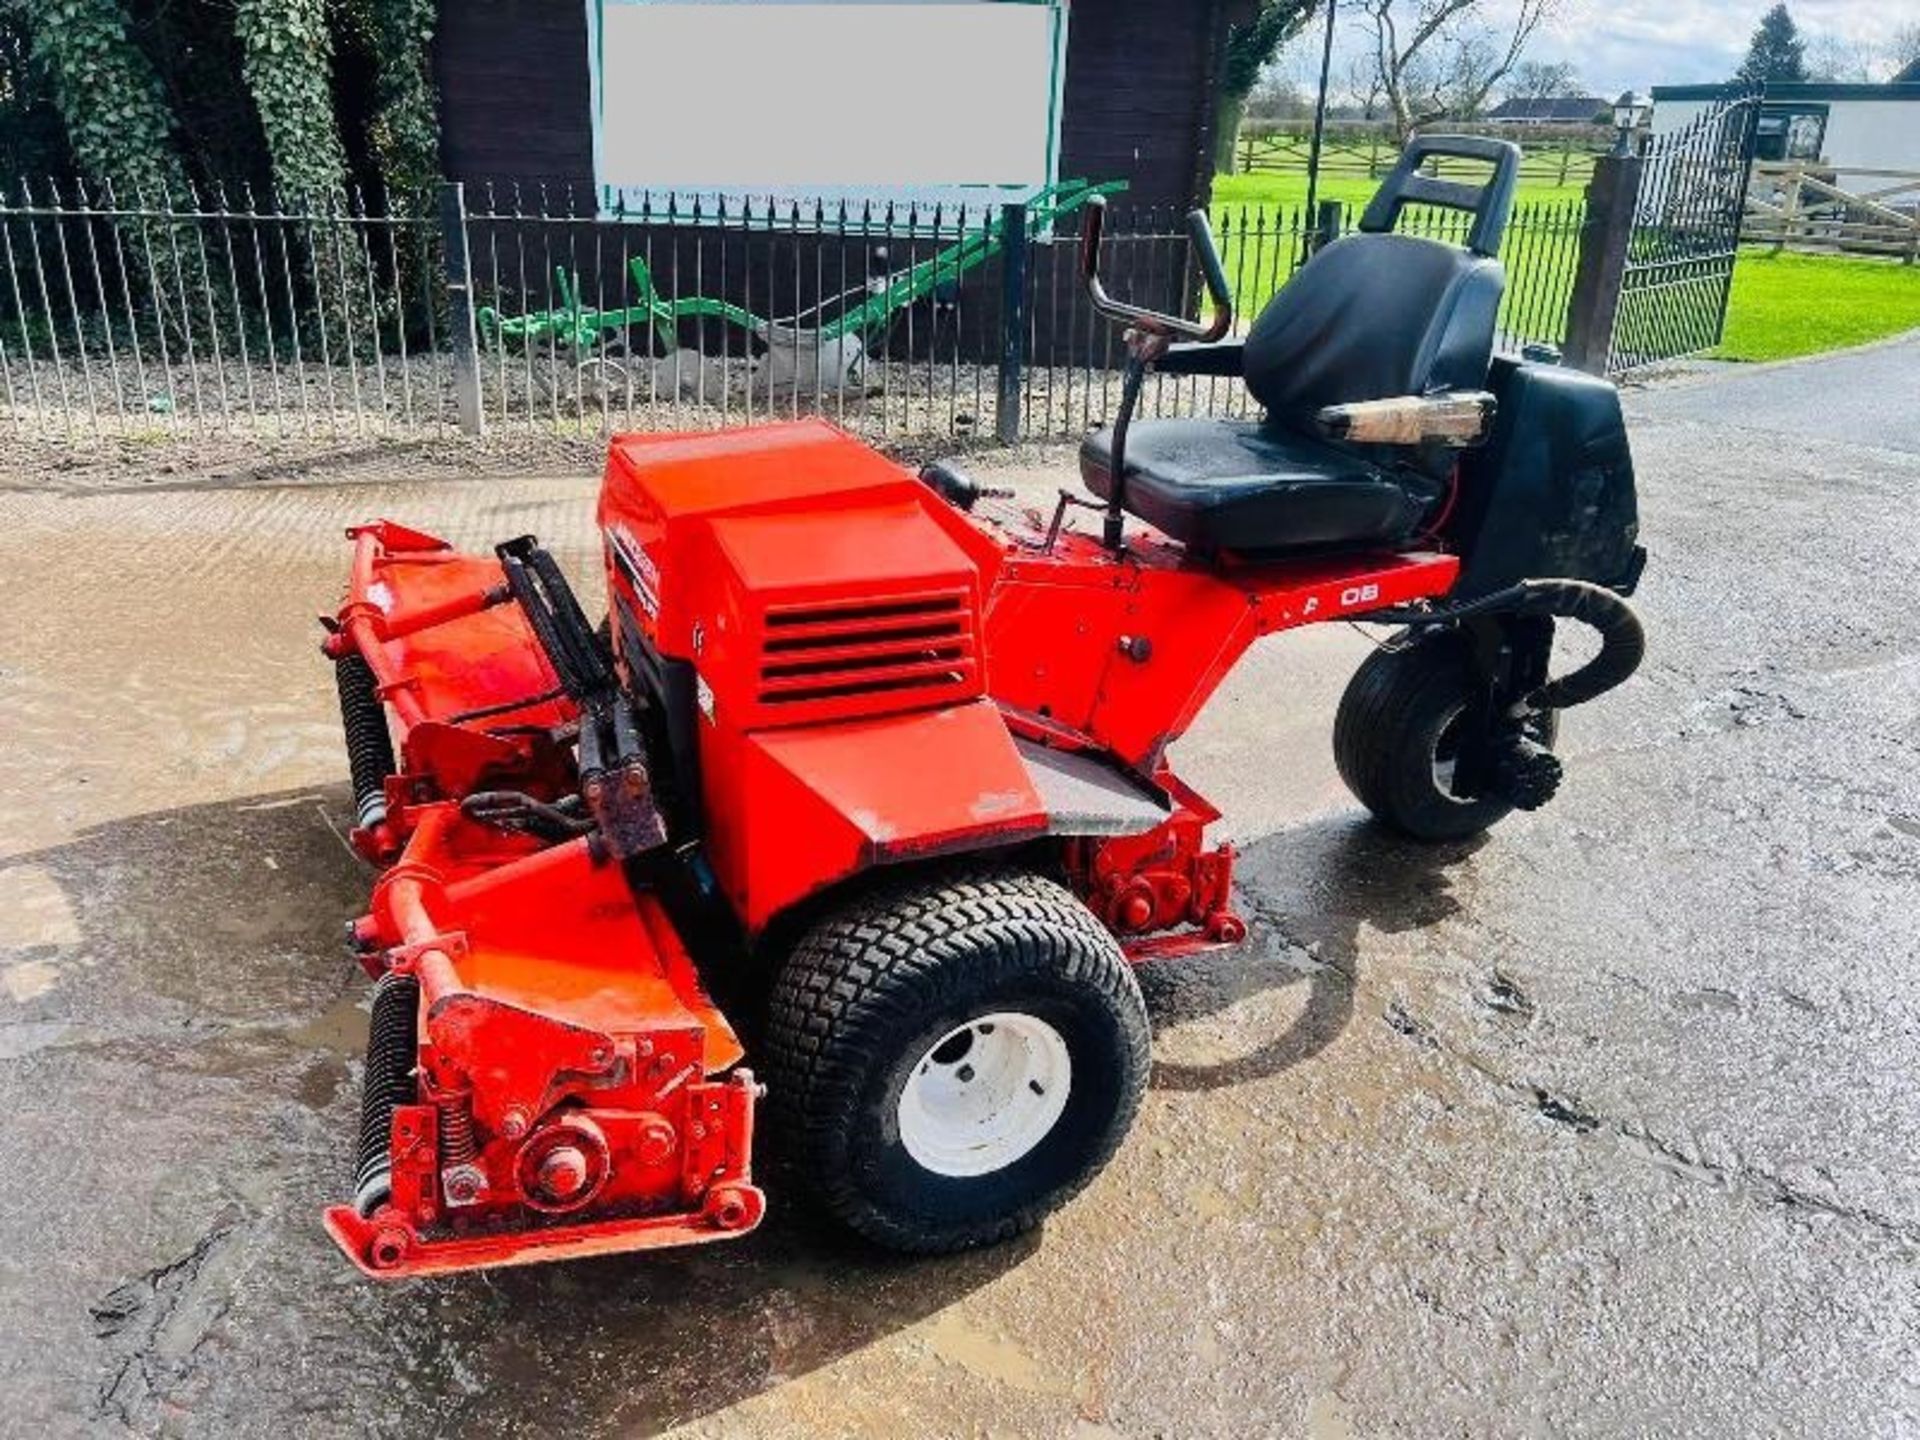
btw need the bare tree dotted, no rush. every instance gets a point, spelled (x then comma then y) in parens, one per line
(1541, 80)
(1904, 49)
(1834, 58)
(1363, 84)
(1251, 48)
(1438, 59)
(1277, 97)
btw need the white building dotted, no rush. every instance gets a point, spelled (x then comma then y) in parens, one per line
(1848, 129)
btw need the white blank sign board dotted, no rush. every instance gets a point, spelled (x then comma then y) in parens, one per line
(920, 99)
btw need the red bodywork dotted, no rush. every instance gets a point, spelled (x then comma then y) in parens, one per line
(876, 678)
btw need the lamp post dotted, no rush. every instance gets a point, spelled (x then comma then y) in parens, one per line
(1319, 126)
(1630, 111)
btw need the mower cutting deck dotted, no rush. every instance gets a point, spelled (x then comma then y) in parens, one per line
(887, 768)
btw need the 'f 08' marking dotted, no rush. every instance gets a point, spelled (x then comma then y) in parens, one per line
(1351, 596)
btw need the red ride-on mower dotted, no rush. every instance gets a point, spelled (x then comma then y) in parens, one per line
(882, 763)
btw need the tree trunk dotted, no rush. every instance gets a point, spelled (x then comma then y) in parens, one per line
(109, 99)
(1226, 134)
(120, 132)
(287, 62)
(405, 131)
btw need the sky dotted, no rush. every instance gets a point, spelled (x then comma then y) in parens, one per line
(1636, 44)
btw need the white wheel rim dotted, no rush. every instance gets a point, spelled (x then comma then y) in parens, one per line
(984, 1094)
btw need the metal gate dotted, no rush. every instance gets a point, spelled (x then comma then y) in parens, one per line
(1686, 230)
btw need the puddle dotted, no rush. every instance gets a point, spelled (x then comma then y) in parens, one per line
(29, 979)
(34, 910)
(341, 1027)
(989, 1356)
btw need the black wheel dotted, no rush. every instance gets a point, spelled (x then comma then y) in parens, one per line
(1397, 734)
(955, 1056)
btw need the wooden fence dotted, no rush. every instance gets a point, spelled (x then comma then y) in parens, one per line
(1795, 205)
(1558, 155)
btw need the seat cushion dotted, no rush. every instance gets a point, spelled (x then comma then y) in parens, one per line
(1247, 486)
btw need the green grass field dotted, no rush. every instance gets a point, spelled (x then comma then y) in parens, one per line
(1781, 306)
(1271, 188)
(1787, 304)
(1540, 250)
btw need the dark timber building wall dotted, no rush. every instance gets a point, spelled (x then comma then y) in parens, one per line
(1138, 105)
(1138, 102)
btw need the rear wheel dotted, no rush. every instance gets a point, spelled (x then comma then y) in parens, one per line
(1397, 736)
(954, 1057)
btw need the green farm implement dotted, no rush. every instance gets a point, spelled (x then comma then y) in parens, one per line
(835, 346)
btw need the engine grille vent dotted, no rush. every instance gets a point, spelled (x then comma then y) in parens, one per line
(903, 649)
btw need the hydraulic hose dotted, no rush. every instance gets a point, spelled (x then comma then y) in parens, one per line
(369, 746)
(1622, 642)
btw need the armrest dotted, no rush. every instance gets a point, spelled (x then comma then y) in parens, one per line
(1458, 418)
(1223, 357)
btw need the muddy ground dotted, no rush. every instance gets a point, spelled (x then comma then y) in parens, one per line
(1604, 1126)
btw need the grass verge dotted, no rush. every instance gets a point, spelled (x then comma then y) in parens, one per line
(1786, 305)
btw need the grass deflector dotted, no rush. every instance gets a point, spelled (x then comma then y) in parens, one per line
(863, 780)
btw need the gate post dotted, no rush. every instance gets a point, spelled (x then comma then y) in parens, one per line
(1013, 321)
(1326, 224)
(464, 336)
(1602, 264)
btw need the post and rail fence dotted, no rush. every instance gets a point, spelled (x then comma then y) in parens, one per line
(1561, 156)
(1797, 205)
(526, 310)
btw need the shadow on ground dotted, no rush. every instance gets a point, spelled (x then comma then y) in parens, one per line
(1306, 893)
(197, 1047)
(196, 1052)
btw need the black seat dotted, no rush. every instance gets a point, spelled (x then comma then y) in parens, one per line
(1371, 316)
(1247, 485)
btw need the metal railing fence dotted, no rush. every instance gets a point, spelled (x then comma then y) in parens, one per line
(523, 309)
(128, 311)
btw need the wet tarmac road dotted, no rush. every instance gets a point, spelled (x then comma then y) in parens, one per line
(1606, 1125)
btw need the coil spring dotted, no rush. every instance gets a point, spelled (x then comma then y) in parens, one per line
(369, 745)
(388, 1082)
(457, 1144)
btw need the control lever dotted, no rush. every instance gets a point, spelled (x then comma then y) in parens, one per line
(958, 488)
(1149, 333)
(1154, 322)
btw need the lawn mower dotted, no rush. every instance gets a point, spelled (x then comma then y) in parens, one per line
(865, 777)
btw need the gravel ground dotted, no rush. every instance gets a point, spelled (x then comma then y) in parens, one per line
(1603, 1126)
(226, 423)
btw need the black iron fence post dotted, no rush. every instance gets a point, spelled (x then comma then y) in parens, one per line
(1327, 220)
(1602, 263)
(460, 319)
(1013, 320)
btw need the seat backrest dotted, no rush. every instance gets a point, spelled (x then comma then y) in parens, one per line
(1379, 314)
(1372, 316)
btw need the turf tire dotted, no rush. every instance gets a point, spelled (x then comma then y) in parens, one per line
(1388, 734)
(871, 987)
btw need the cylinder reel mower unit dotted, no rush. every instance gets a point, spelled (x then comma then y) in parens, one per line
(881, 760)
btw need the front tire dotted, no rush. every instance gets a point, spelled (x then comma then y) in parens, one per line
(953, 1057)
(1397, 731)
